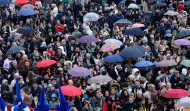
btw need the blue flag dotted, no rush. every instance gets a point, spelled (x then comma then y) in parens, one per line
(42, 106)
(63, 103)
(2, 105)
(16, 106)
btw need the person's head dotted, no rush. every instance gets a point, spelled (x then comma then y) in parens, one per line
(109, 100)
(98, 94)
(34, 84)
(137, 83)
(70, 82)
(88, 56)
(176, 73)
(53, 97)
(20, 80)
(131, 99)
(168, 86)
(58, 22)
(50, 87)
(151, 87)
(25, 57)
(112, 91)
(139, 94)
(54, 82)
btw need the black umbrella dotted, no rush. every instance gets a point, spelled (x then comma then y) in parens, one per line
(14, 50)
(25, 30)
(136, 32)
(123, 22)
(132, 52)
(187, 3)
(182, 34)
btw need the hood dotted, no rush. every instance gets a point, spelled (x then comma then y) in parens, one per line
(134, 71)
(168, 31)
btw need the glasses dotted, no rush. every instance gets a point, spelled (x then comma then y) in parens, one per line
(128, 81)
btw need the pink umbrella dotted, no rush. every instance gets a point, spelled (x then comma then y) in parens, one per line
(110, 47)
(28, 6)
(182, 42)
(137, 25)
(166, 63)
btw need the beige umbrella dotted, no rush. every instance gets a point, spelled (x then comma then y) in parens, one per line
(99, 79)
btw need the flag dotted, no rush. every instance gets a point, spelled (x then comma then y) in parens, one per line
(42, 106)
(63, 103)
(18, 104)
(2, 105)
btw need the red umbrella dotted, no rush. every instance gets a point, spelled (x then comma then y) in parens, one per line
(71, 90)
(21, 1)
(45, 63)
(176, 93)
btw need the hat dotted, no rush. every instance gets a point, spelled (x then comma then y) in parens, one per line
(71, 103)
(60, 69)
(162, 84)
(21, 22)
(175, 72)
(53, 96)
(98, 92)
(85, 96)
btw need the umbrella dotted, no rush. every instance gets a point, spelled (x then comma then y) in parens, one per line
(176, 93)
(159, 4)
(122, 2)
(113, 58)
(166, 63)
(187, 3)
(99, 79)
(136, 32)
(143, 64)
(182, 42)
(171, 13)
(184, 102)
(137, 25)
(80, 71)
(113, 41)
(110, 47)
(157, 0)
(70, 90)
(21, 1)
(133, 6)
(25, 30)
(92, 16)
(88, 39)
(14, 50)
(141, 48)
(26, 12)
(123, 22)
(28, 6)
(132, 52)
(186, 63)
(45, 63)
(5, 2)
(182, 34)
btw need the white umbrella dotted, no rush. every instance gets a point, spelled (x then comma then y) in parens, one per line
(133, 6)
(92, 16)
(172, 13)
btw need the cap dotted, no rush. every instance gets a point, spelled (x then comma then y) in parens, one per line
(98, 92)
(149, 74)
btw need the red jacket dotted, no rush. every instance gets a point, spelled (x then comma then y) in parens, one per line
(105, 106)
(180, 8)
(52, 52)
(59, 28)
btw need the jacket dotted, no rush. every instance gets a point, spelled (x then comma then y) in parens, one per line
(97, 102)
(130, 106)
(105, 106)
(59, 28)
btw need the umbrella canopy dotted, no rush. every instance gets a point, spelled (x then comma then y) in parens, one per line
(182, 34)
(136, 32)
(21, 1)
(45, 63)
(137, 25)
(159, 4)
(25, 30)
(99, 79)
(26, 12)
(184, 102)
(88, 39)
(171, 13)
(182, 42)
(28, 6)
(166, 63)
(133, 6)
(80, 71)
(187, 3)
(186, 63)
(113, 58)
(110, 47)
(5, 2)
(14, 50)
(122, 2)
(132, 52)
(143, 64)
(123, 22)
(176, 93)
(113, 41)
(70, 90)
(92, 16)
(157, 0)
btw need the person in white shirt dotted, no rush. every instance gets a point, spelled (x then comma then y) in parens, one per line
(7, 62)
(55, 10)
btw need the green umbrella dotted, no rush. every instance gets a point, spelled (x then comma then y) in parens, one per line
(186, 63)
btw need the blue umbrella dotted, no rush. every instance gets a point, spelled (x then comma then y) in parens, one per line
(159, 4)
(113, 58)
(26, 12)
(25, 30)
(144, 64)
(14, 50)
(132, 52)
(123, 22)
(136, 32)
(187, 3)
(120, 3)
(5, 2)
(113, 40)
(182, 34)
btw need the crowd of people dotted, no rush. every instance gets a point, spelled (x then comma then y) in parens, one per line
(59, 24)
